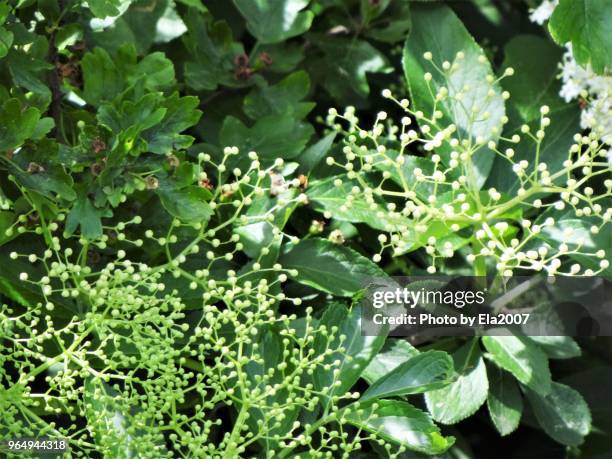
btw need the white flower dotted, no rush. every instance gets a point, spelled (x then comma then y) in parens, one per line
(278, 184)
(578, 80)
(597, 116)
(542, 13)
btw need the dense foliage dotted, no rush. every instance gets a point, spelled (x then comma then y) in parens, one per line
(194, 194)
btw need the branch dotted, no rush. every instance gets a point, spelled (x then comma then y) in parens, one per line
(55, 108)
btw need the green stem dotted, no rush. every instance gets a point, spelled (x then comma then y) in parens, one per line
(232, 444)
(43, 366)
(313, 428)
(480, 267)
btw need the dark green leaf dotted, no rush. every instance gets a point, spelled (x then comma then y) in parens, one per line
(273, 21)
(394, 25)
(6, 40)
(100, 77)
(27, 294)
(421, 373)
(30, 69)
(138, 24)
(329, 267)
(394, 353)
(505, 402)
(213, 50)
(108, 423)
(181, 114)
(563, 414)
(270, 347)
(5, 9)
(587, 24)
(36, 167)
(588, 382)
(466, 395)
(565, 122)
(6, 221)
(315, 153)
(400, 422)
(104, 8)
(478, 115)
(346, 64)
(558, 347)
(534, 83)
(153, 123)
(68, 35)
(283, 98)
(284, 57)
(188, 204)
(43, 127)
(128, 119)
(85, 215)
(259, 234)
(358, 350)
(327, 197)
(105, 76)
(372, 10)
(52, 182)
(196, 4)
(274, 136)
(404, 176)
(521, 357)
(17, 123)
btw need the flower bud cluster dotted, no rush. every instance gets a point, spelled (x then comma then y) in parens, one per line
(419, 175)
(128, 346)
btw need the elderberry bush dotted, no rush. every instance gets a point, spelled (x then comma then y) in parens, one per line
(194, 195)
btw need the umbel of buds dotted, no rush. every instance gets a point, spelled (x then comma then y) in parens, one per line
(432, 200)
(130, 358)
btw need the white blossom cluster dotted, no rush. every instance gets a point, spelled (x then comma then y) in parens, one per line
(583, 82)
(543, 12)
